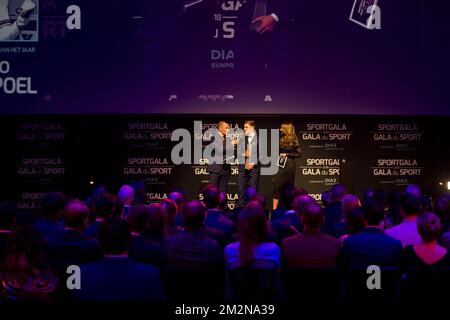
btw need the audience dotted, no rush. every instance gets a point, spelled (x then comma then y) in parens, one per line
(388, 230)
(371, 246)
(192, 247)
(312, 249)
(126, 197)
(406, 231)
(116, 276)
(215, 218)
(53, 209)
(104, 207)
(253, 236)
(143, 249)
(428, 252)
(333, 212)
(354, 221)
(24, 275)
(70, 246)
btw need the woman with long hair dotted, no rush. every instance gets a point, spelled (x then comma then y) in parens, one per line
(253, 242)
(24, 276)
(289, 150)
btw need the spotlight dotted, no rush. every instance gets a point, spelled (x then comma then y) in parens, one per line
(91, 182)
(448, 185)
(441, 183)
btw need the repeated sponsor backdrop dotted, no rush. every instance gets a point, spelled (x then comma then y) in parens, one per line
(73, 153)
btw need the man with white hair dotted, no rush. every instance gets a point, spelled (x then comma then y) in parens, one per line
(126, 196)
(8, 30)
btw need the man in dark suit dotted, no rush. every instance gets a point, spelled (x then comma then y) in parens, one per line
(219, 172)
(371, 246)
(70, 246)
(250, 169)
(312, 249)
(215, 218)
(334, 213)
(116, 277)
(53, 208)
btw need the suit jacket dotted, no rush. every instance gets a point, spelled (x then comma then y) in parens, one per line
(254, 154)
(227, 148)
(145, 251)
(311, 250)
(71, 247)
(216, 220)
(119, 279)
(370, 247)
(48, 227)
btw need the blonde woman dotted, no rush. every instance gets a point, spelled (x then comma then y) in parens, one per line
(289, 150)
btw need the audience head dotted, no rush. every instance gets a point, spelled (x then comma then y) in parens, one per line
(126, 194)
(442, 208)
(114, 236)
(223, 201)
(286, 195)
(355, 220)
(211, 197)
(170, 210)
(253, 229)
(138, 217)
(337, 193)
(24, 254)
(301, 202)
(368, 194)
(325, 198)
(312, 217)
(53, 205)
(429, 227)
(76, 215)
(157, 218)
(260, 199)
(373, 213)
(413, 189)
(426, 203)
(105, 206)
(249, 193)
(7, 215)
(178, 198)
(194, 213)
(140, 191)
(349, 202)
(410, 204)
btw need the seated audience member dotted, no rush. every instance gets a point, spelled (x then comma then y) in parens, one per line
(7, 220)
(23, 276)
(354, 220)
(192, 247)
(249, 194)
(333, 212)
(442, 209)
(324, 198)
(371, 246)
(349, 202)
(144, 249)
(140, 192)
(117, 277)
(413, 189)
(393, 215)
(223, 202)
(156, 227)
(406, 231)
(53, 209)
(126, 197)
(103, 208)
(253, 244)
(178, 198)
(428, 252)
(70, 246)
(170, 212)
(290, 224)
(215, 218)
(312, 249)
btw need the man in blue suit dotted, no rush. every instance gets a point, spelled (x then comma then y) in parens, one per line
(371, 246)
(117, 277)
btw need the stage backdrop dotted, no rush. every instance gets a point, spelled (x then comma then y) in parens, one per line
(73, 153)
